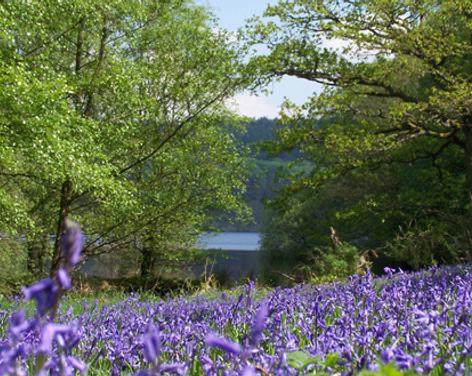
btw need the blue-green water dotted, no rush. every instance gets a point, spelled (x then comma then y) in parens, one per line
(230, 241)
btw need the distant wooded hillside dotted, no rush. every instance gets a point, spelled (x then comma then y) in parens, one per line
(264, 168)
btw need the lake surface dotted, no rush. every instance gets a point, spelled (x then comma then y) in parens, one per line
(230, 241)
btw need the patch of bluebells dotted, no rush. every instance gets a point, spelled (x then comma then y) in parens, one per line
(38, 344)
(417, 321)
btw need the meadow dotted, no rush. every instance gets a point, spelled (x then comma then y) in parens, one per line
(401, 323)
(138, 119)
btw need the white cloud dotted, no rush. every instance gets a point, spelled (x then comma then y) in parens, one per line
(253, 106)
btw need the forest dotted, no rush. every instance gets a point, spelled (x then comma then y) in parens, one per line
(117, 138)
(116, 122)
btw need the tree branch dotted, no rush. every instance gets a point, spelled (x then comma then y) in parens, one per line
(176, 130)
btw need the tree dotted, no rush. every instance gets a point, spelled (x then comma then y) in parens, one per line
(106, 109)
(403, 75)
(407, 213)
(389, 136)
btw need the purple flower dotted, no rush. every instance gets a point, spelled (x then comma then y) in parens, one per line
(45, 293)
(404, 360)
(231, 347)
(18, 324)
(387, 355)
(389, 271)
(52, 351)
(76, 364)
(249, 371)
(64, 279)
(259, 322)
(415, 320)
(72, 243)
(49, 333)
(151, 344)
(171, 367)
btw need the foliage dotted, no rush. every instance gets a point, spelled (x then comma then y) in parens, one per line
(387, 370)
(396, 67)
(296, 238)
(436, 242)
(13, 260)
(388, 138)
(113, 113)
(341, 262)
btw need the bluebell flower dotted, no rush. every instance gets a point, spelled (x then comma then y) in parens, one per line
(76, 364)
(259, 322)
(222, 343)
(151, 344)
(72, 243)
(49, 332)
(45, 293)
(64, 279)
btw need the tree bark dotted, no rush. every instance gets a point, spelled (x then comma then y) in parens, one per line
(36, 249)
(32, 263)
(64, 208)
(66, 189)
(468, 161)
(147, 264)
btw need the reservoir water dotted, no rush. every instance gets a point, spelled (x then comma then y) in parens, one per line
(230, 241)
(239, 259)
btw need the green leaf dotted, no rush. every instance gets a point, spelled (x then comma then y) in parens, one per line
(300, 360)
(386, 370)
(331, 360)
(437, 371)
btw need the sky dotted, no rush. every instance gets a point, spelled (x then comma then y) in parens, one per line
(232, 15)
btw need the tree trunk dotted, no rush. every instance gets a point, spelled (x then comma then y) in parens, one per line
(32, 263)
(147, 266)
(36, 248)
(64, 207)
(468, 160)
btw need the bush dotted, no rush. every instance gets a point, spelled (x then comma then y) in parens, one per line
(445, 240)
(340, 262)
(329, 264)
(321, 264)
